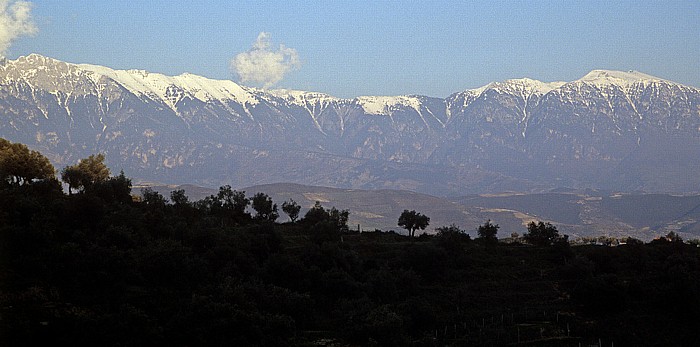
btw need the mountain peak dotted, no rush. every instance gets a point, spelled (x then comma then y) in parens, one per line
(157, 85)
(617, 77)
(529, 85)
(35, 55)
(37, 59)
(30, 61)
(597, 77)
(518, 85)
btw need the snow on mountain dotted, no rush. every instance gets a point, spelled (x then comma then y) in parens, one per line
(609, 129)
(38, 71)
(385, 105)
(620, 78)
(523, 86)
(298, 96)
(159, 86)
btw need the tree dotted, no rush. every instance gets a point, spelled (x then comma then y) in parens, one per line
(451, 230)
(317, 214)
(412, 221)
(72, 176)
(452, 238)
(152, 198)
(632, 241)
(94, 168)
(179, 198)
(229, 205)
(86, 173)
(339, 218)
(115, 189)
(291, 208)
(233, 200)
(19, 165)
(488, 231)
(264, 208)
(543, 234)
(672, 236)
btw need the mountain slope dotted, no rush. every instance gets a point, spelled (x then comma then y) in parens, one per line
(610, 129)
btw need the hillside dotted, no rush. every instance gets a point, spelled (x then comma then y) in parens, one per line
(98, 268)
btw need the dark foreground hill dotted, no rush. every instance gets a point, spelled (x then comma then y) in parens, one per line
(98, 268)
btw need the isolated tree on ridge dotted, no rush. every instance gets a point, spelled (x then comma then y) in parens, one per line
(412, 221)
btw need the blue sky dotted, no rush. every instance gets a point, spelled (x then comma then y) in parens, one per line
(353, 48)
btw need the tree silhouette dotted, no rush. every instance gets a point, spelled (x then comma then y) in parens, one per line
(152, 198)
(228, 205)
(264, 207)
(339, 218)
(452, 238)
(335, 217)
(291, 208)
(315, 214)
(179, 198)
(488, 231)
(543, 234)
(412, 221)
(115, 189)
(233, 200)
(72, 177)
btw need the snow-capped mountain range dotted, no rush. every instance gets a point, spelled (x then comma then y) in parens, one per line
(610, 129)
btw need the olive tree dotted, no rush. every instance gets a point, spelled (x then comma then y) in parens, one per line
(19, 165)
(86, 173)
(412, 221)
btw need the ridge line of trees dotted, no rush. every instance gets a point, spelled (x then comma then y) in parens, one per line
(20, 167)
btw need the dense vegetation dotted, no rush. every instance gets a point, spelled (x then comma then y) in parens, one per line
(100, 267)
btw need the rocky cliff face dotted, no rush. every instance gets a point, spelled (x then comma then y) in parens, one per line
(609, 129)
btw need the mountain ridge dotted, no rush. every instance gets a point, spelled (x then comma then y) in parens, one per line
(596, 76)
(609, 130)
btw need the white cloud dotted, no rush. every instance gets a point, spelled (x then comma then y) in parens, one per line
(15, 21)
(263, 64)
